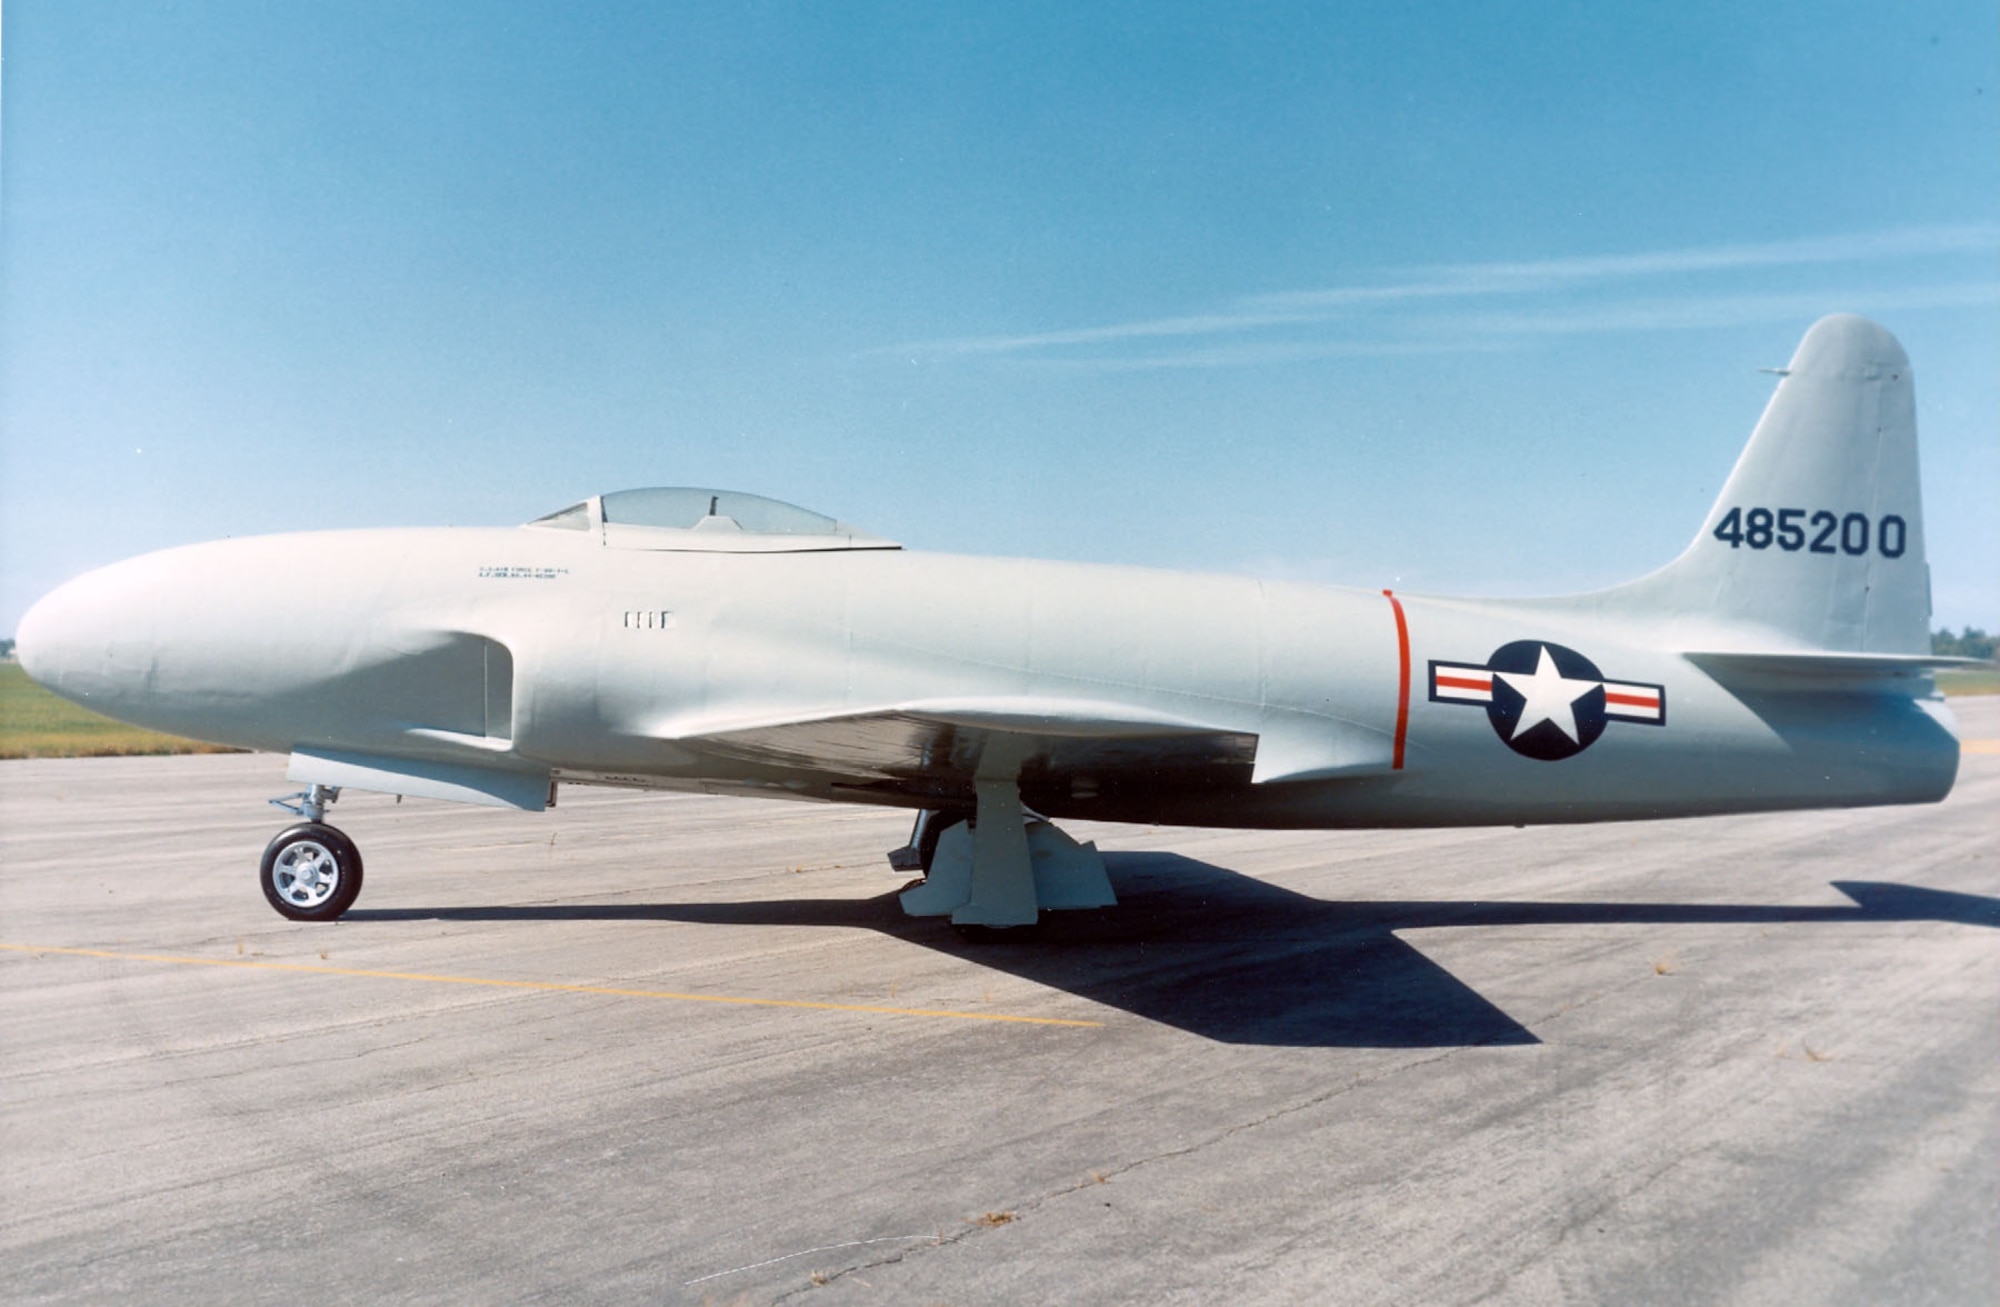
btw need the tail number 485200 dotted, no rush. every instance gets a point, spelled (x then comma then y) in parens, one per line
(1820, 532)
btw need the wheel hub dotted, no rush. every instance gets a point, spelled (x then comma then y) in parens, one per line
(307, 874)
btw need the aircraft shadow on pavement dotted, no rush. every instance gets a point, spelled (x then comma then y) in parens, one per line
(1239, 960)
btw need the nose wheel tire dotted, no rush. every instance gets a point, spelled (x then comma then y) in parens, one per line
(311, 872)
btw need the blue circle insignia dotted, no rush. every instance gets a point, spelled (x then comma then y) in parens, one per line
(1548, 701)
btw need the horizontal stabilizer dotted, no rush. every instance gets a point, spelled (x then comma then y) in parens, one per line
(1813, 668)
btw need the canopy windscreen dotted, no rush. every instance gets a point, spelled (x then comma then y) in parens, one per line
(684, 506)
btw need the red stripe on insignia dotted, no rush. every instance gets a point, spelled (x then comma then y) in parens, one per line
(1633, 700)
(1465, 682)
(1403, 680)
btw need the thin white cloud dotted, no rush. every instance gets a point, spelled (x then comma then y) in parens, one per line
(1439, 287)
(1204, 324)
(1717, 310)
(1242, 354)
(1545, 274)
(1458, 333)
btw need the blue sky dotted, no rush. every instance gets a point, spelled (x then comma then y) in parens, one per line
(1458, 298)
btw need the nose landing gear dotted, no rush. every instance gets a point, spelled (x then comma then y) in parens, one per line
(311, 871)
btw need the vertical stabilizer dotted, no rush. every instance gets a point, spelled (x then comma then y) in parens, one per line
(1817, 541)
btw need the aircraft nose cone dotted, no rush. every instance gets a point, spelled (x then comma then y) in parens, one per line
(209, 640)
(86, 639)
(45, 639)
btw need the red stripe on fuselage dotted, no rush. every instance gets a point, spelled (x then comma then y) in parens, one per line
(1403, 680)
(1633, 700)
(1465, 682)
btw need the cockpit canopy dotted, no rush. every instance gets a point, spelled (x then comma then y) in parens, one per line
(691, 518)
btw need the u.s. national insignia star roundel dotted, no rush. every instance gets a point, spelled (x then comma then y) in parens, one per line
(1545, 701)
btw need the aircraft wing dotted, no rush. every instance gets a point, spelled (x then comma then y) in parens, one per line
(942, 744)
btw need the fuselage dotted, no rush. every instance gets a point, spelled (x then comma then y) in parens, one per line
(552, 651)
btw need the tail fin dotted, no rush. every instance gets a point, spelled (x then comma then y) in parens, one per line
(1817, 541)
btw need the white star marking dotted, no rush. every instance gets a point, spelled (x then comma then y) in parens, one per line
(1550, 697)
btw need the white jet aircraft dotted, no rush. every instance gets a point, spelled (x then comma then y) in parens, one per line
(709, 640)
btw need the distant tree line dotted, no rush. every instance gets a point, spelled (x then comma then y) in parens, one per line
(1969, 643)
(6, 648)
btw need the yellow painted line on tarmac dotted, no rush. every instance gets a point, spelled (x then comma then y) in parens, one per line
(250, 964)
(1979, 746)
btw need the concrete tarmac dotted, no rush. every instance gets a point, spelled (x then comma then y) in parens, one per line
(662, 1049)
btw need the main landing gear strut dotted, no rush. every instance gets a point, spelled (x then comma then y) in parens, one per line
(1000, 868)
(311, 871)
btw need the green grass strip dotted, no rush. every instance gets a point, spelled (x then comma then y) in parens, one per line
(37, 724)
